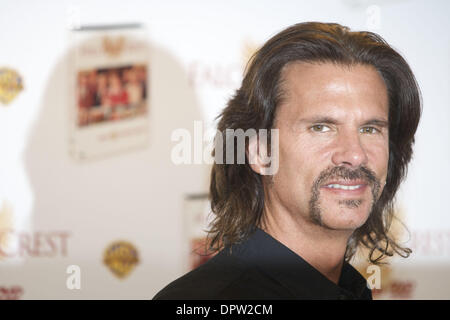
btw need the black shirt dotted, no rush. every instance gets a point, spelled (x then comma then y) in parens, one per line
(263, 268)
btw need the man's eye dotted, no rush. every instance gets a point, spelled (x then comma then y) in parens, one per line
(370, 130)
(320, 128)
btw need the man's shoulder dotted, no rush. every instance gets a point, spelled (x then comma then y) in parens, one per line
(223, 277)
(205, 282)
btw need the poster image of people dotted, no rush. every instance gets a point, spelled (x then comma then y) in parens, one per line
(109, 91)
(111, 94)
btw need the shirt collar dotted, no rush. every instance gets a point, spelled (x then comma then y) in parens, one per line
(293, 272)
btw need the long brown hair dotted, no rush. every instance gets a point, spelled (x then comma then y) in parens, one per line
(237, 192)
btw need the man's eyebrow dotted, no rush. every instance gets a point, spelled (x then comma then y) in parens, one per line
(378, 122)
(319, 119)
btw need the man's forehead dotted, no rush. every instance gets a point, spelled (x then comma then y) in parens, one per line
(328, 86)
(328, 74)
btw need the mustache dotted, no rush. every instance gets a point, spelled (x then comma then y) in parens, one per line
(361, 173)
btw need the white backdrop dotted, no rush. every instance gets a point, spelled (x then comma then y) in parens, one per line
(66, 213)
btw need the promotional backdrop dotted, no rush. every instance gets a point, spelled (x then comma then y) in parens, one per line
(93, 201)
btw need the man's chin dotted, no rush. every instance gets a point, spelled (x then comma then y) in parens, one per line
(346, 219)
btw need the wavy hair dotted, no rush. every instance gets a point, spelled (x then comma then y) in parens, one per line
(237, 192)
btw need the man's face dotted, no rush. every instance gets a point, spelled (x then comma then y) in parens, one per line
(333, 144)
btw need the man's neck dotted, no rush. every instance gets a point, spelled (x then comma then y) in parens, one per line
(322, 248)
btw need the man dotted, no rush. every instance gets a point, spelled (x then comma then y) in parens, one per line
(346, 107)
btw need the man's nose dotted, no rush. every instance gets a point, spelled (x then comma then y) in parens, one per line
(349, 150)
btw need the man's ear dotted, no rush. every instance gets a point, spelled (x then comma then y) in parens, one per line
(254, 155)
(258, 156)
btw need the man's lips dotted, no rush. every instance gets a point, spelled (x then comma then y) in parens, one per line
(346, 187)
(346, 182)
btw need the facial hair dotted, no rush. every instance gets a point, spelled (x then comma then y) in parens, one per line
(361, 173)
